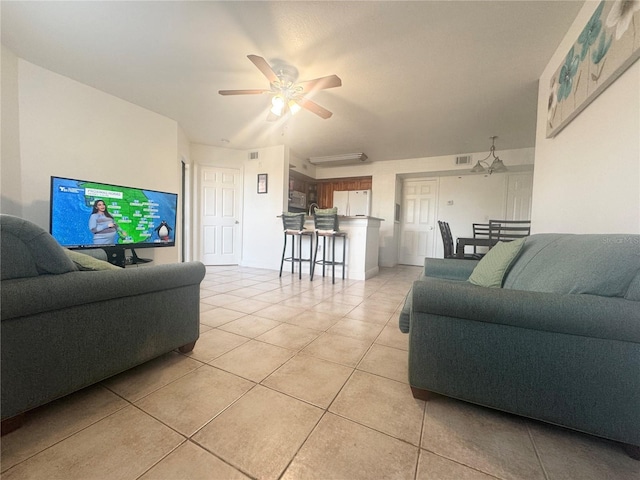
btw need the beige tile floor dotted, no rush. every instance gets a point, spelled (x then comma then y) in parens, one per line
(292, 379)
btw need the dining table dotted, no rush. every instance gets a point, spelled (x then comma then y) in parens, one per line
(463, 242)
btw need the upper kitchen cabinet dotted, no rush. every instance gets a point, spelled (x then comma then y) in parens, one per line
(327, 187)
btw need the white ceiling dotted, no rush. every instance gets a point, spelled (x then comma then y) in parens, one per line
(420, 78)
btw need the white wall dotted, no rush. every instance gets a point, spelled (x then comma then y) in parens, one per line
(262, 233)
(302, 165)
(474, 199)
(260, 229)
(70, 129)
(384, 189)
(587, 178)
(10, 187)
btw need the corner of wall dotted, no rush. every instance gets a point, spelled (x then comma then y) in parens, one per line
(11, 177)
(574, 188)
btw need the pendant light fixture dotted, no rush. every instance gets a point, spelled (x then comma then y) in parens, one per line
(496, 164)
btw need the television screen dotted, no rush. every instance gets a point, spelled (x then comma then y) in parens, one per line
(93, 215)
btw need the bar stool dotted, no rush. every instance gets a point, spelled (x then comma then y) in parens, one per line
(293, 224)
(326, 223)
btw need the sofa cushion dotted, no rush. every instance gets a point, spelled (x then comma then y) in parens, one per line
(491, 270)
(595, 264)
(27, 250)
(633, 292)
(87, 262)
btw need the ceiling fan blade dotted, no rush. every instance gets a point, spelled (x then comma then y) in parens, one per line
(264, 67)
(321, 83)
(313, 107)
(242, 92)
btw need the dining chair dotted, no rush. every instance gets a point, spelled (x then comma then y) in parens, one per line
(447, 242)
(480, 230)
(507, 230)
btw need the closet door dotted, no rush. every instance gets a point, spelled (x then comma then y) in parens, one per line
(220, 190)
(418, 220)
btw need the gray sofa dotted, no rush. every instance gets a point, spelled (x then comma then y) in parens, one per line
(559, 342)
(68, 324)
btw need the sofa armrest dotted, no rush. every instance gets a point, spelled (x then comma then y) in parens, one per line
(405, 313)
(455, 269)
(29, 296)
(586, 315)
(449, 268)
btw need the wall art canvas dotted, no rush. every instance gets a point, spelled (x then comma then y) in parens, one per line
(607, 46)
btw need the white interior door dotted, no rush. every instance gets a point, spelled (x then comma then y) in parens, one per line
(418, 219)
(519, 195)
(220, 190)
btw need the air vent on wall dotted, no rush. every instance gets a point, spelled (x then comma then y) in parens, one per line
(253, 155)
(463, 160)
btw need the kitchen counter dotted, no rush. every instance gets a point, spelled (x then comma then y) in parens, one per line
(363, 237)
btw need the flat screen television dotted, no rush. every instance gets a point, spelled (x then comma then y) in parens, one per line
(86, 214)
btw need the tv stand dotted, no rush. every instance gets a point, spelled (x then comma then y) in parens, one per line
(135, 259)
(116, 256)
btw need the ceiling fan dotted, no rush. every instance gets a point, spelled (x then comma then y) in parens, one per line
(287, 94)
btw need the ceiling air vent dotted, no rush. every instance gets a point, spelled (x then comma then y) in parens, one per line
(253, 155)
(463, 160)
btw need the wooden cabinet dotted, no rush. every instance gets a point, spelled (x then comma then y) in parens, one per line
(321, 191)
(327, 187)
(297, 184)
(325, 195)
(312, 193)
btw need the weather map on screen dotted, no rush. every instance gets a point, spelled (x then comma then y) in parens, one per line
(90, 214)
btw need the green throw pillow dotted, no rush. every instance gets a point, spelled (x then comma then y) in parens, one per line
(87, 262)
(491, 270)
(326, 211)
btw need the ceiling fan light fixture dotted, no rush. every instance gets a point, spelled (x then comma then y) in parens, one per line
(294, 107)
(277, 105)
(289, 97)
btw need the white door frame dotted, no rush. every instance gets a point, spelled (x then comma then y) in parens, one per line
(187, 234)
(514, 197)
(429, 249)
(198, 201)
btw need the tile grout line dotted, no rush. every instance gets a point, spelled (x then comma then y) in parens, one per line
(537, 452)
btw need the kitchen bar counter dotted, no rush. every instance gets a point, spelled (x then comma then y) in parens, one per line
(363, 238)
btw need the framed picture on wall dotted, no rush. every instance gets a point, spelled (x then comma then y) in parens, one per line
(262, 183)
(608, 45)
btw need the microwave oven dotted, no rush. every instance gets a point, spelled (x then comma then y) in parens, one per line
(297, 200)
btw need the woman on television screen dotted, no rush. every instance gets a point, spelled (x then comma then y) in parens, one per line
(102, 225)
